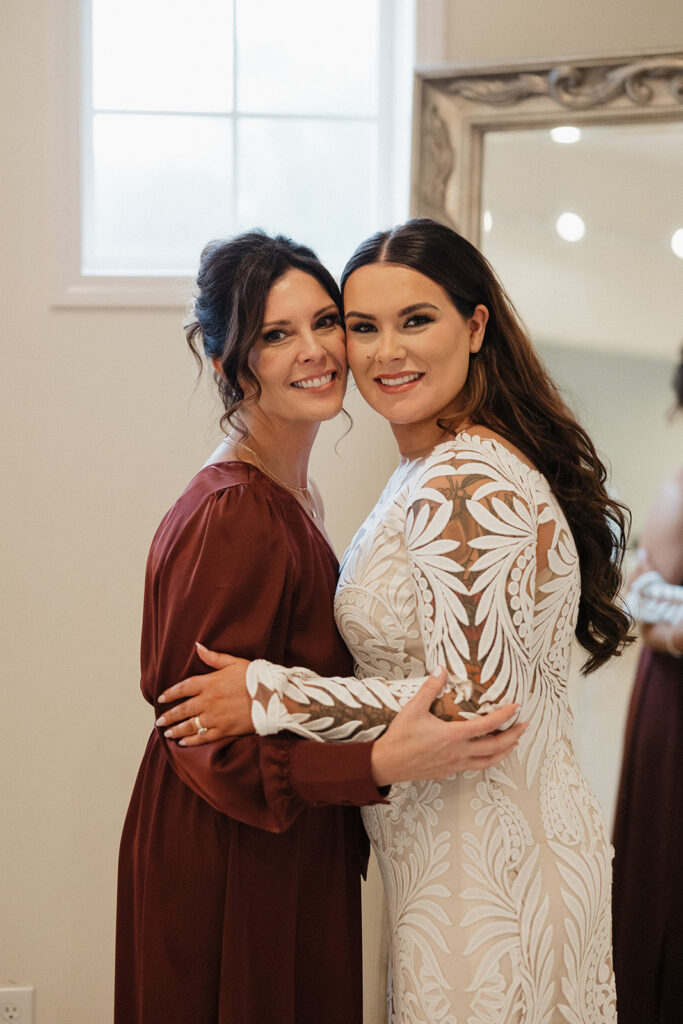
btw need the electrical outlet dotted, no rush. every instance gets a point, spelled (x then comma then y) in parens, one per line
(16, 1005)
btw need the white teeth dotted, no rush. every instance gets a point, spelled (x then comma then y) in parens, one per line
(313, 382)
(393, 381)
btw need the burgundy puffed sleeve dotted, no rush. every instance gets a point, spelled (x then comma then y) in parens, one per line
(235, 566)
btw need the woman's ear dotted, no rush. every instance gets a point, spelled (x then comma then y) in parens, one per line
(477, 325)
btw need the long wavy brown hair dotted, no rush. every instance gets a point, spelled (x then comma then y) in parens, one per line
(509, 391)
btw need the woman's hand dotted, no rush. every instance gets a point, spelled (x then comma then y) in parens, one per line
(417, 745)
(218, 699)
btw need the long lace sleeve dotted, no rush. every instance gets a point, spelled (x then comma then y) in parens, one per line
(472, 532)
(324, 708)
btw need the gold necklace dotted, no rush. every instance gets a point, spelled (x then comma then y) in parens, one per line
(303, 491)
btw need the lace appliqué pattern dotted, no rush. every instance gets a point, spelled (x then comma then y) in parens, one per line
(498, 882)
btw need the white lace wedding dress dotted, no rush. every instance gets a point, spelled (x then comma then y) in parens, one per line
(498, 882)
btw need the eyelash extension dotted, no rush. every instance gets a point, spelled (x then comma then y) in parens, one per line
(416, 320)
(420, 318)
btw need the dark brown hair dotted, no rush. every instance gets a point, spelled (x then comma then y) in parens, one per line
(234, 278)
(509, 390)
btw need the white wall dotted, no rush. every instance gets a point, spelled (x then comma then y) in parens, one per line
(100, 431)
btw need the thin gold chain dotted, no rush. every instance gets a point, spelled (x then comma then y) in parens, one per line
(303, 491)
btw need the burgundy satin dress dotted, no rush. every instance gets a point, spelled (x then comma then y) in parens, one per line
(240, 862)
(648, 842)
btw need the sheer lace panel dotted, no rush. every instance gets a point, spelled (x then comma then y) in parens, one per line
(471, 535)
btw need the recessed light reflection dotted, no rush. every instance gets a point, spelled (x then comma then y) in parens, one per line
(570, 227)
(487, 221)
(565, 134)
(677, 243)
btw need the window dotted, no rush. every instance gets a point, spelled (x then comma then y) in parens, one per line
(202, 118)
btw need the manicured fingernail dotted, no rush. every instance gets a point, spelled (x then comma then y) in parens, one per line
(199, 646)
(182, 743)
(438, 670)
(162, 699)
(160, 721)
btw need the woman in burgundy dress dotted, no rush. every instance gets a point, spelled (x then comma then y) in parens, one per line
(240, 863)
(648, 833)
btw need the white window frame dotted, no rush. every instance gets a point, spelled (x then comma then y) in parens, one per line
(69, 65)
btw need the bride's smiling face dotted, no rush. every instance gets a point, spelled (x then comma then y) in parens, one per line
(408, 346)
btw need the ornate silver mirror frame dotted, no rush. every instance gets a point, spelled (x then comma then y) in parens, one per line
(455, 105)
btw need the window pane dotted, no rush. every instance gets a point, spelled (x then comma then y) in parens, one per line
(314, 180)
(162, 187)
(162, 55)
(307, 56)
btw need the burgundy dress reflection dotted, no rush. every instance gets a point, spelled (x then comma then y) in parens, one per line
(238, 898)
(648, 842)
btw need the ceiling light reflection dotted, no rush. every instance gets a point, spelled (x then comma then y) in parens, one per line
(565, 134)
(570, 227)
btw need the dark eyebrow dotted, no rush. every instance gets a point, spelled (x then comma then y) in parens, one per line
(401, 312)
(417, 305)
(287, 323)
(326, 309)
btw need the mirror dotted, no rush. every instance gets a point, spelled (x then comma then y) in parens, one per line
(585, 228)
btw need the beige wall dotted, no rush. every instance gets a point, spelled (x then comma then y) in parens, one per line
(100, 430)
(492, 30)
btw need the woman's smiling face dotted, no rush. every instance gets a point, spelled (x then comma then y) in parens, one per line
(408, 347)
(300, 358)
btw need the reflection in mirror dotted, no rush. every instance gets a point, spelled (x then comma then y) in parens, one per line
(581, 233)
(614, 285)
(604, 306)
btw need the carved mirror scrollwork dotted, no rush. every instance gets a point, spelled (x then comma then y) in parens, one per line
(456, 105)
